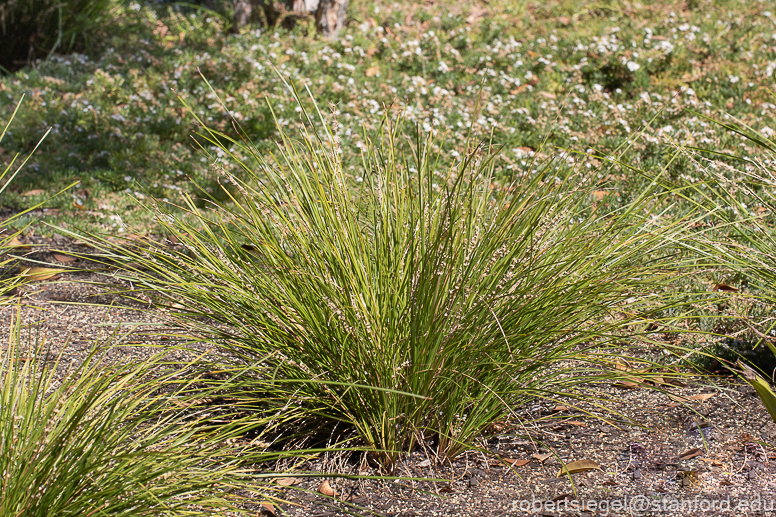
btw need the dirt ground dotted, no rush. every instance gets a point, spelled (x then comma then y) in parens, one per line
(703, 456)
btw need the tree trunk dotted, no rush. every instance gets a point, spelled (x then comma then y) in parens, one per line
(242, 15)
(330, 17)
(329, 14)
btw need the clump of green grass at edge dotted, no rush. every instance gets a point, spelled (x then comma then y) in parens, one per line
(114, 439)
(743, 240)
(418, 306)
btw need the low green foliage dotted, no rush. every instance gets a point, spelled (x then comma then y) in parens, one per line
(419, 306)
(584, 76)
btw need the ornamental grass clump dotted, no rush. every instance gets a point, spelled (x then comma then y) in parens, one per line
(113, 439)
(416, 303)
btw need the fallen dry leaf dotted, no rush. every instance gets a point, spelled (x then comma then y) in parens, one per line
(516, 463)
(701, 397)
(372, 71)
(16, 243)
(724, 287)
(267, 508)
(692, 453)
(561, 408)
(610, 482)
(326, 489)
(66, 259)
(287, 481)
(715, 463)
(42, 273)
(475, 14)
(625, 385)
(578, 466)
(564, 20)
(541, 458)
(547, 95)
(425, 463)
(34, 192)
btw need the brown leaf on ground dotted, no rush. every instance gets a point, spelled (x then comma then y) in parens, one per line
(578, 466)
(702, 396)
(372, 71)
(627, 385)
(66, 259)
(699, 397)
(692, 453)
(16, 243)
(287, 481)
(476, 13)
(425, 463)
(34, 192)
(724, 287)
(326, 489)
(267, 508)
(516, 463)
(541, 458)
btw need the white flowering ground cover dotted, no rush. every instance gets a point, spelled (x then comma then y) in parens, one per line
(592, 79)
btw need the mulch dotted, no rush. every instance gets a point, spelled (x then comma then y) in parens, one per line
(705, 456)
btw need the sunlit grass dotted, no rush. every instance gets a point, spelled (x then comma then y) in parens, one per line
(419, 306)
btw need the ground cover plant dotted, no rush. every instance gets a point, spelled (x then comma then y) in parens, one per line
(586, 77)
(420, 306)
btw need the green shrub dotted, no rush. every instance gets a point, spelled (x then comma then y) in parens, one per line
(33, 29)
(415, 303)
